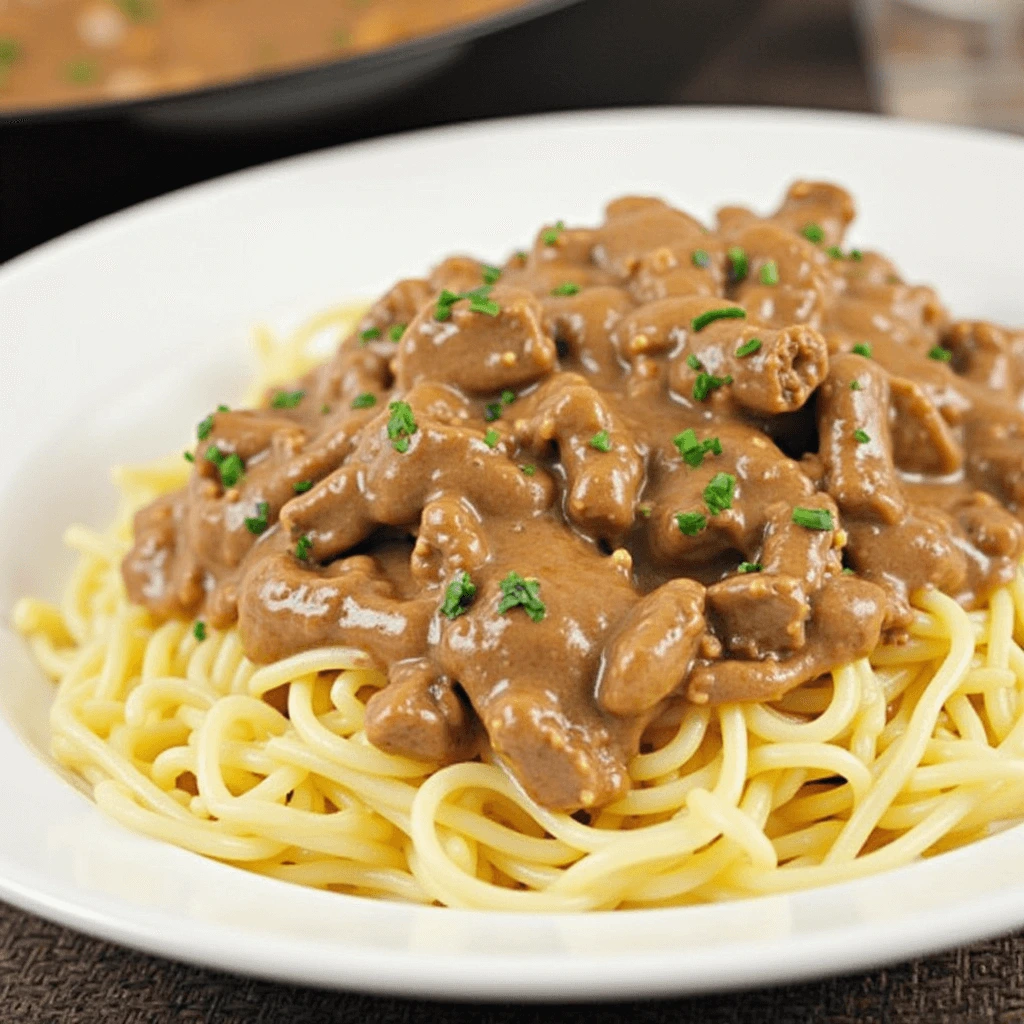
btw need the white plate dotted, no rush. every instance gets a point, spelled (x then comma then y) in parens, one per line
(118, 337)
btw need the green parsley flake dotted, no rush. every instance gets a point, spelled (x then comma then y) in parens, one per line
(231, 467)
(693, 362)
(834, 252)
(700, 258)
(82, 71)
(521, 593)
(691, 523)
(490, 274)
(301, 486)
(847, 571)
(566, 288)
(601, 441)
(401, 426)
(748, 348)
(551, 235)
(370, 334)
(491, 438)
(10, 51)
(813, 518)
(199, 630)
(529, 469)
(719, 492)
(706, 383)
(750, 567)
(692, 450)
(698, 323)
(258, 523)
(855, 385)
(458, 595)
(769, 272)
(303, 546)
(324, 409)
(189, 457)
(395, 331)
(479, 302)
(813, 233)
(739, 265)
(861, 436)
(367, 400)
(645, 511)
(287, 399)
(862, 348)
(507, 397)
(492, 411)
(940, 354)
(204, 426)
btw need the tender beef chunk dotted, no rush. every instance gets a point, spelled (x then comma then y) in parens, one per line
(652, 654)
(477, 352)
(547, 505)
(420, 715)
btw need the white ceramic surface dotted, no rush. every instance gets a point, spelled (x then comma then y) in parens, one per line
(117, 338)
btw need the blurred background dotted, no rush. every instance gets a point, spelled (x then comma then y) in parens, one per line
(107, 102)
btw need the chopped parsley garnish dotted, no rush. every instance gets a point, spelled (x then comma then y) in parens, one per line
(287, 399)
(551, 235)
(601, 441)
(691, 523)
(692, 450)
(492, 411)
(645, 511)
(693, 362)
(847, 571)
(458, 595)
(199, 630)
(521, 593)
(855, 385)
(698, 323)
(750, 567)
(528, 469)
(324, 409)
(834, 252)
(231, 467)
(301, 486)
(82, 71)
(813, 233)
(566, 288)
(940, 354)
(189, 457)
(769, 274)
(491, 438)
(522, 256)
(303, 546)
(861, 436)
(719, 492)
(862, 348)
(748, 348)
(706, 383)
(370, 334)
(855, 254)
(401, 426)
(204, 426)
(739, 265)
(138, 10)
(479, 302)
(258, 523)
(395, 331)
(700, 258)
(490, 274)
(813, 518)
(507, 397)
(367, 400)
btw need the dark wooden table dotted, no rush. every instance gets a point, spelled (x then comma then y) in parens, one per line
(787, 52)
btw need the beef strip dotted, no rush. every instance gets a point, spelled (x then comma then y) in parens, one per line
(548, 504)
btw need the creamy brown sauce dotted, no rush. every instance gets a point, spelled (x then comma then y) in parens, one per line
(56, 52)
(519, 529)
